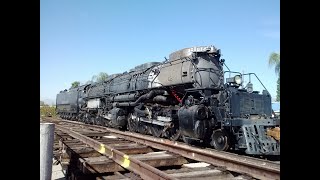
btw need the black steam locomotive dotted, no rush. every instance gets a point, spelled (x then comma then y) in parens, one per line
(184, 97)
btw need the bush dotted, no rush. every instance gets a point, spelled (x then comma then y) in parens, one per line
(48, 111)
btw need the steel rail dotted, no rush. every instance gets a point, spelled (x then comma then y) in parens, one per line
(144, 170)
(257, 168)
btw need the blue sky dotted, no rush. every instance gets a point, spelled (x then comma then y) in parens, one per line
(80, 38)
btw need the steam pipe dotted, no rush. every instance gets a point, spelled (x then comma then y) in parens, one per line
(144, 97)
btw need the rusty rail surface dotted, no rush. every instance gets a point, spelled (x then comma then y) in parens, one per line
(256, 168)
(144, 170)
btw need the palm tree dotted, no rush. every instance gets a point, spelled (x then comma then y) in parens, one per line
(274, 60)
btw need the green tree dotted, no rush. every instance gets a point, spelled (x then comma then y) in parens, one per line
(101, 77)
(42, 103)
(274, 61)
(75, 84)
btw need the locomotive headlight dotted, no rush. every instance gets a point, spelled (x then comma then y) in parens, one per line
(238, 79)
(235, 80)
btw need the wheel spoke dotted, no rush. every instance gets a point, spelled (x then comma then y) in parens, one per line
(156, 130)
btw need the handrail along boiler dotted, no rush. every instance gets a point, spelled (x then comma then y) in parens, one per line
(184, 97)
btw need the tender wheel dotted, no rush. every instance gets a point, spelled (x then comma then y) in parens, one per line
(220, 140)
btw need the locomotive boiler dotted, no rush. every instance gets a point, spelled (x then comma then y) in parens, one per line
(184, 97)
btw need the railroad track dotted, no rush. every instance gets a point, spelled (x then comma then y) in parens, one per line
(99, 152)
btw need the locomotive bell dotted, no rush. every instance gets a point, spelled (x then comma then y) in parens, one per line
(249, 87)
